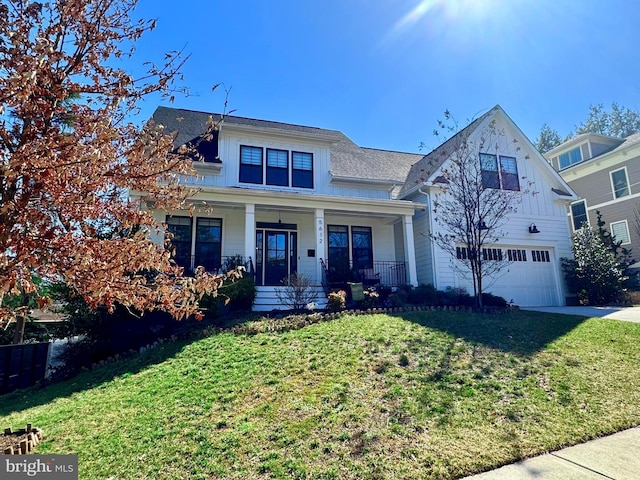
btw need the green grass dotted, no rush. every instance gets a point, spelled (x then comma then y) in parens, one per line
(421, 395)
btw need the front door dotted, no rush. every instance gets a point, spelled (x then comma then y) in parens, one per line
(276, 256)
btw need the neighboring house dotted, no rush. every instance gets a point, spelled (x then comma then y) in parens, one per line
(605, 173)
(294, 199)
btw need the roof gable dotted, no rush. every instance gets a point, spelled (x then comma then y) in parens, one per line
(427, 170)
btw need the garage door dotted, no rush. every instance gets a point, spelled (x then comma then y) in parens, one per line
(529, 279)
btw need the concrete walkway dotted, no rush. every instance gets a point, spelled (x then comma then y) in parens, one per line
(616, 457)
(629, 314)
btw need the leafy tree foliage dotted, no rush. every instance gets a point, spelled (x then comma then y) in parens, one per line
(472, 215)
(594, 274)
(69, 155)
(618, 122)
(548, 139)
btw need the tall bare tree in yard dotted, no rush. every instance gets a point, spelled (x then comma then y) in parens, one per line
(69, 154)
(480, 188)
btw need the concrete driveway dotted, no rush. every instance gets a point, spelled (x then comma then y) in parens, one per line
(629, 314)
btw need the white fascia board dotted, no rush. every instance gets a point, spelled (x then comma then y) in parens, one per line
(318, 138)
(342, 179)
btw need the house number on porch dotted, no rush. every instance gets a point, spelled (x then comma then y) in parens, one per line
(320, 231)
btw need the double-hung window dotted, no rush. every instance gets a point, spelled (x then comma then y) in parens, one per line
(180, 230)
(302, 175)
(490, 174)
(277, 167)
(509, 173)
(579, 214)
(208, 243)
(362, 249)
(250, 164)
(619, 183)
(499, 172)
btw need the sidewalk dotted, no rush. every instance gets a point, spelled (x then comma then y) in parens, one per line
(629, 314)
(616, 457)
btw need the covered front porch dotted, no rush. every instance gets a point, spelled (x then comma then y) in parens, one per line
(331, 241)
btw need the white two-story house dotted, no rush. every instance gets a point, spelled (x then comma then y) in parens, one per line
(295, 199)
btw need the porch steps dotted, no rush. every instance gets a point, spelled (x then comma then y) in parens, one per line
(267, 299)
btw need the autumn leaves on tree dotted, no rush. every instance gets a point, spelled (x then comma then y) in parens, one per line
(69, 153)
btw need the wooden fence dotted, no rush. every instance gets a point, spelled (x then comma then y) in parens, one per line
(22, 365)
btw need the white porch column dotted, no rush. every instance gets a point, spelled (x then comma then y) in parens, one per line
(320, 242)
(250, 232)
(410, 249)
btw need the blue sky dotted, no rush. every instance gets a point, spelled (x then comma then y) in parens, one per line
(383, 72)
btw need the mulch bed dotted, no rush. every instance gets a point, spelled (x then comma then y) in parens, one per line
(22, 441)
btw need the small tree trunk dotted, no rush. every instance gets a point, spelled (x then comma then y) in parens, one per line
(18, 334)
(479, 297)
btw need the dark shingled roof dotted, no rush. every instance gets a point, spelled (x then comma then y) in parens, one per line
(347, 159)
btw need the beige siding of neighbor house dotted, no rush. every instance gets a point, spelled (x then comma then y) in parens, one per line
(596, 188)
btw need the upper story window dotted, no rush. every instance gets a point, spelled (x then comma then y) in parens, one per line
(579, 214)
(569, 158)
(250, 164)
(277, 167)
(302, 175)
(619, 182)
(504, 177)
(282, 168)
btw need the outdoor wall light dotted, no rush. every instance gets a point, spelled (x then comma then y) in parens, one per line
(533, 228)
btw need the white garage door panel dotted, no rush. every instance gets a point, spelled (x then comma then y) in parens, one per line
(527, 284)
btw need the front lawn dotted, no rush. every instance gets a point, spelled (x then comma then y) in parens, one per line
(417, 395)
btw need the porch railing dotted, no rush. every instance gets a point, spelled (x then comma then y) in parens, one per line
(387, 273)
(223, 265)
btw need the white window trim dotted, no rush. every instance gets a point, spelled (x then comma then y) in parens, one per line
(626, 226)
(613, 188)
(586, 209)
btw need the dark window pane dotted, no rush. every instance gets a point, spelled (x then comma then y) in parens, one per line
(277, 167)
(579, 214)
(208, 252)
(250, 164)
(180, 229)
(509, 173)
(490, 175)
(302, 174)
(362, 249)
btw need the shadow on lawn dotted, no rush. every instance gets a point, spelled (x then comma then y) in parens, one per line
(519, 332)
(40, 395)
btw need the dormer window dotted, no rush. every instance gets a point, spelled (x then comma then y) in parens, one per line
(569, 158)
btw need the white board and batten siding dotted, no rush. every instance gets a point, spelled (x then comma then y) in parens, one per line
(527, 283)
